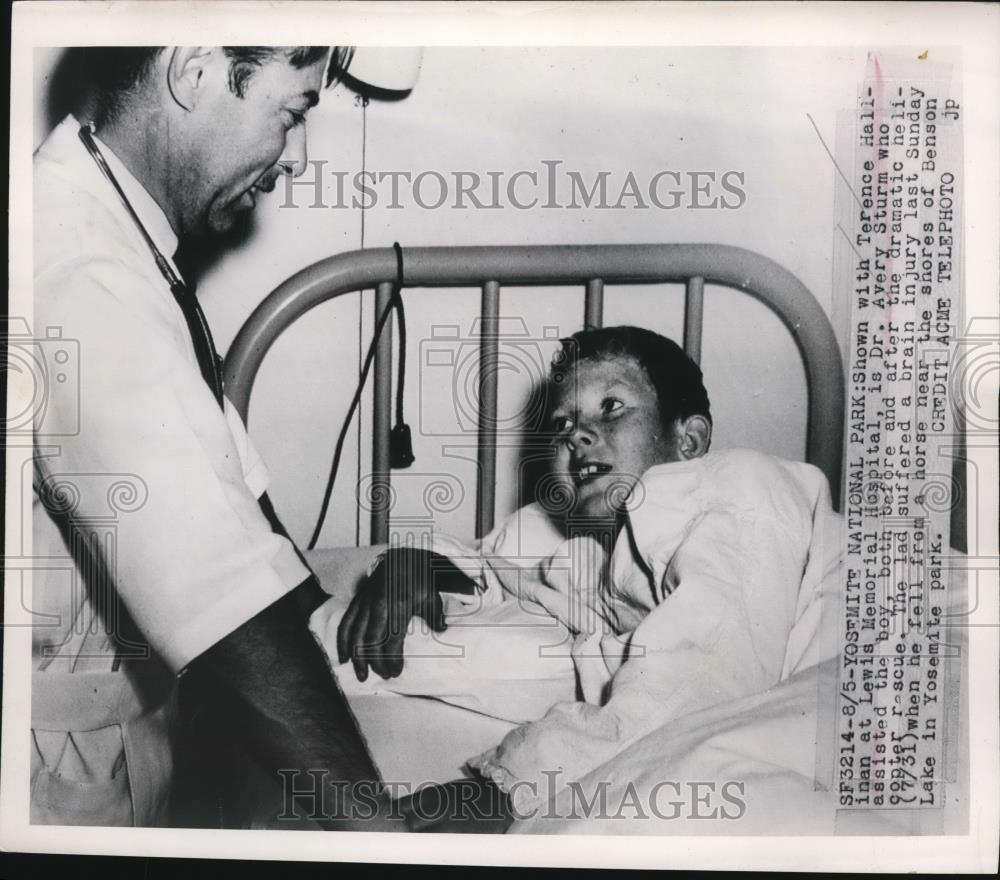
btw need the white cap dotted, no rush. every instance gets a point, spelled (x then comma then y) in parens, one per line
(393, 68)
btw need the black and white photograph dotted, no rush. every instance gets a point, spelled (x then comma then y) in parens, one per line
(569, 421)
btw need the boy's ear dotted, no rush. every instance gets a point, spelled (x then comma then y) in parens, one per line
(186, 73)
(694, 436)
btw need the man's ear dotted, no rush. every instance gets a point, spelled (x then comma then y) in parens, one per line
(186, 73)
(694, 436)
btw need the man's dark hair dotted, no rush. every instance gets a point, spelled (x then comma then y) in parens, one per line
(677, 379)
(117, 71)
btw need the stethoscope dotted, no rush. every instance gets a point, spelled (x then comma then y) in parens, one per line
(401, 449)
(208, 360)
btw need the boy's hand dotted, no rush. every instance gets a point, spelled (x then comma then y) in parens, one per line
(406, 583)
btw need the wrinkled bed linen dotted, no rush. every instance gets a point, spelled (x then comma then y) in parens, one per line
(503, 654)
(716, 592)
(773, 742)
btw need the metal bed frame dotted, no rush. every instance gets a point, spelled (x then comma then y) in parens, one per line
(593, 267)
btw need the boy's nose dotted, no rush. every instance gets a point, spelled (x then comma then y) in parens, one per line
(582, 436)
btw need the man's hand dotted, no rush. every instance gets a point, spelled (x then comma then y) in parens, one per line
(464, 806)
(406, 583)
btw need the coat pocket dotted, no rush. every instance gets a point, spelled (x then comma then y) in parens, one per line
(103, 799)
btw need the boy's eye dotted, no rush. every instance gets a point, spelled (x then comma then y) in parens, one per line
(562, 424)
(297, 117)
(610, 405)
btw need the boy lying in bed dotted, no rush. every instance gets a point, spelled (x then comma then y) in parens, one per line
(712, 591)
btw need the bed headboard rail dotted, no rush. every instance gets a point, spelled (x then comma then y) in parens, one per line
(590, 266)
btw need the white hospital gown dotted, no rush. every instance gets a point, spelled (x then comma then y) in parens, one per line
(716, 591)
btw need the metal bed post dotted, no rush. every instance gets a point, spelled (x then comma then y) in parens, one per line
(381, 420)
(489, 351)
(694, 315)
(591, 266)
(593, 304)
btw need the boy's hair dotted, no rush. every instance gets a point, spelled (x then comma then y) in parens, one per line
(677, 379)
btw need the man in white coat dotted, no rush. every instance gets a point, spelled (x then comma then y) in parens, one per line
(148, 479)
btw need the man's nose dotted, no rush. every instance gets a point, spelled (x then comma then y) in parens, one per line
(294, 159)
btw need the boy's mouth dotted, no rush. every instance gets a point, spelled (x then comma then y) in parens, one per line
(586, 471)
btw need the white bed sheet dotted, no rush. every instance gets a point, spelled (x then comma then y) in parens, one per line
(772, 742)
(412, 740)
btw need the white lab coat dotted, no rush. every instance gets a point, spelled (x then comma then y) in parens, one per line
(169, 551)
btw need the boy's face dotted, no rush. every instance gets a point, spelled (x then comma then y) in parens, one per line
(607, 418)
